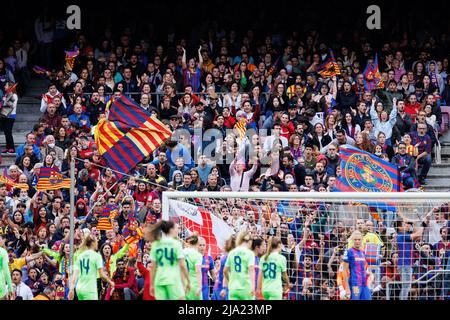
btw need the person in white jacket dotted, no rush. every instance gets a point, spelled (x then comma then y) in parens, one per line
(50, 95)
(21, 290)
(384, 123)
(8, 116)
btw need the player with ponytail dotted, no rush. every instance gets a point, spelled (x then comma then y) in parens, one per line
(87, 266)
(194, 260)
(240, 270)
(169, 275)
(273, 269)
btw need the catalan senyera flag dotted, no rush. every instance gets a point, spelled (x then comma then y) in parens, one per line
(128, 135)
(372, 76)
(108, 214)
(13, 184)
(330, 67)
(241, 127)
(51, 179)
(70, 58)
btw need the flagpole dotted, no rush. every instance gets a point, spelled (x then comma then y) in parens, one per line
(72, 209)
(101, 197)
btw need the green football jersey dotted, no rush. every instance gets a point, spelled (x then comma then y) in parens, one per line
(87, 263)
(239, 260)
(5, 275)
(193, 258)
(272, 270)
(166, 253)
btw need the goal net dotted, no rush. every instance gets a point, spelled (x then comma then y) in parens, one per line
(404, 238)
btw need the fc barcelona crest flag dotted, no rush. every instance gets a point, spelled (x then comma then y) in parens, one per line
(365, 172)
(51, 179)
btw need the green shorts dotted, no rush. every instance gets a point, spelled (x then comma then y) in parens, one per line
(92, 295)
(272, 295)
(169, 292)
(240, 295)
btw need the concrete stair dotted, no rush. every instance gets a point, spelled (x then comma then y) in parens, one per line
(439, 176)
(28, 114)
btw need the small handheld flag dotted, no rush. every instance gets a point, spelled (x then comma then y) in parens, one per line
(272, 68)
(241, 128)
(70, 58)
(372, 76)
(329, 68)
(40, 70)
(108, 214)
(11, 183)
(132, 233)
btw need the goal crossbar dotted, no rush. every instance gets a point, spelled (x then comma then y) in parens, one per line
(311, 196)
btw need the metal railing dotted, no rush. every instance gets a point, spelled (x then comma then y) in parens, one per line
(178, 94)
(417, 281)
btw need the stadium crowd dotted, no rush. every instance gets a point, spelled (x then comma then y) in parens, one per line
(292, 117)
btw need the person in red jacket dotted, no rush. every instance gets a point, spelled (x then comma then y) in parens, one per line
(412, 107)
(146, 275)
(229, 120)
(287, 127)
(125, 283)
(86, 148)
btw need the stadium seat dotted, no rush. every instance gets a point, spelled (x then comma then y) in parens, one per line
(445, 125)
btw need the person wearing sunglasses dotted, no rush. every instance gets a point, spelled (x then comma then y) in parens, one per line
(406, 165)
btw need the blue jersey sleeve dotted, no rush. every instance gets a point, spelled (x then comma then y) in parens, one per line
(211, 263)
(347, 255)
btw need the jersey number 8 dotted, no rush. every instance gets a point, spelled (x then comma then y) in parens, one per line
(237, 264)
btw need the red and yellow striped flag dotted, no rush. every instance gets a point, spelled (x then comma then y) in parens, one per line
(241, 127)
(13, 184)
(51, 179)
(329, 68)
(129, 135)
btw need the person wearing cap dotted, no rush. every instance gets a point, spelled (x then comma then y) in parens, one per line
(175, 121)
(19, 263)
(177, 179)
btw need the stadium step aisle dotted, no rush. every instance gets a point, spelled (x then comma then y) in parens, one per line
(439, 175)
(28, 113)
